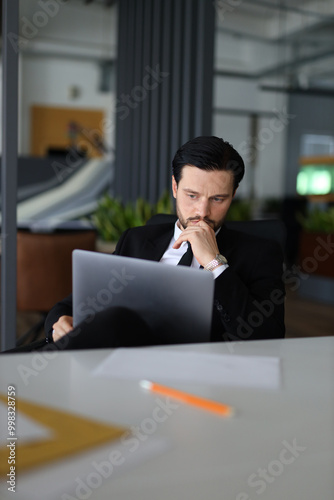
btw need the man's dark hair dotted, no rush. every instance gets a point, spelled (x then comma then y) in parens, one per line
(209, 153)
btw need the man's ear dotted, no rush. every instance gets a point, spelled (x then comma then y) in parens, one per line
(174, 186)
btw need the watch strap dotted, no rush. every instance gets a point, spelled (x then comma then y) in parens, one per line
(217, 261)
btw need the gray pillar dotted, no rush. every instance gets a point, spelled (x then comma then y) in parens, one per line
(10, 16)
(164, 88)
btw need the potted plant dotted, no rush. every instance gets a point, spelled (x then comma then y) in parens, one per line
(240, 210)
(112, 217)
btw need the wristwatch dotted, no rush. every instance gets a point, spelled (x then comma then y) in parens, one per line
(219, 259)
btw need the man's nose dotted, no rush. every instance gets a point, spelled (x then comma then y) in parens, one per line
(203, 208)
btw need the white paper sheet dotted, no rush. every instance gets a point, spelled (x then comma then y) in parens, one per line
(206, 368)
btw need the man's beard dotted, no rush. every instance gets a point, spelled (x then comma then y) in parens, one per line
(186, 222)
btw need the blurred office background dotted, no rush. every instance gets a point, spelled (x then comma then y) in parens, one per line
(109, 90)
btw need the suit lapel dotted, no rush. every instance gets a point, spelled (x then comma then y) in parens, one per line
(226, 243)
(155, 246)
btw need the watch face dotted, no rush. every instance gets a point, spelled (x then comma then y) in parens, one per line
(221, 259)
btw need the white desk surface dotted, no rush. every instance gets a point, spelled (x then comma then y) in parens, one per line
(207, 457)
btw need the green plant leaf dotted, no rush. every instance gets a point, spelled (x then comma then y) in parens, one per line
(317, 220)
(111, 217)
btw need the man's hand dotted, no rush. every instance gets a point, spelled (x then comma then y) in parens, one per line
(202, 239)
(63, 326)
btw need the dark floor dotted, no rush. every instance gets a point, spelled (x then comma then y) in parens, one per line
(306, 318)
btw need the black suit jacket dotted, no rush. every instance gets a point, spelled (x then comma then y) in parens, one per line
(249, 295)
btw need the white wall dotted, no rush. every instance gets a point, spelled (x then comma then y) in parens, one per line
(246, 98)
(62, 44)
(240, 97)
(68, 23)
(243, 54)
(47, 81)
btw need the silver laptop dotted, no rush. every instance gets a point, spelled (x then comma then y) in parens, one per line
(176, 301)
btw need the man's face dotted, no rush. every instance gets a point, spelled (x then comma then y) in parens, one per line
(203, 195)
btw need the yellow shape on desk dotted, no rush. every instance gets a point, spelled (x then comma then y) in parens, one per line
(71, 434)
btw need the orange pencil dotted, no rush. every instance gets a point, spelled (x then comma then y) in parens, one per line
(204, 404)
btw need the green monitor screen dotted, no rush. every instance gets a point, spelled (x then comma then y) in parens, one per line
(312, 180)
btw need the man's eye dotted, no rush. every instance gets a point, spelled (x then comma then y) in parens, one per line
(218, 200)
(192, 196)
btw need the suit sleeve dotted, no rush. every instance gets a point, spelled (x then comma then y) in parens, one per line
(249, 298)
(62, 308)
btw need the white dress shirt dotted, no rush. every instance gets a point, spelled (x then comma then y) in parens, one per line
(173, 255)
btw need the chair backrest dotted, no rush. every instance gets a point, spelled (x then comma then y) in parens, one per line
(272, 229)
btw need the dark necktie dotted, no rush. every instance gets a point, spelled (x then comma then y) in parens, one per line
(186, 258)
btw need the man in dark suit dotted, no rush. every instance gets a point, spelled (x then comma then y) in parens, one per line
(249, 291)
